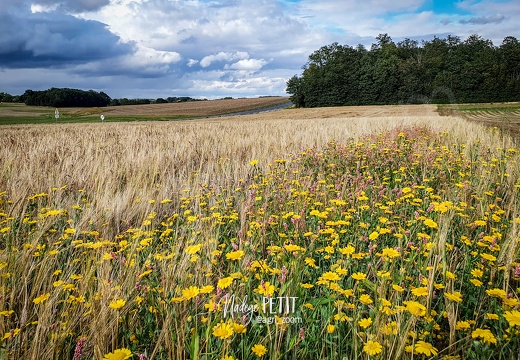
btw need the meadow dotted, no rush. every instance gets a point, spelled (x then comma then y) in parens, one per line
(19, 113)
(356, 233)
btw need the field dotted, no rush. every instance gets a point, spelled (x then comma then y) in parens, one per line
(12, 113)
(503, 115)
(354, 233)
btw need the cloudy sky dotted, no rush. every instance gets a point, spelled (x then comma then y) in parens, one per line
(211, 48)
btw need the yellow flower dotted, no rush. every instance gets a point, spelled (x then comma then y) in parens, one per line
(359, 276)
(239, 328)
(306, 286)
(6, 312)
(117, 304)
(496, 293)
(70, 231)
(365, 322)
(415, 308)
(397, 288)
(420, 291)
(235, 255)
(311, 262)
(485, 334)
(425, 348)
(374, 235)
(513, 317)
(207, 289)
(476, 282)
(372, 348)
(431, 224)
(265, 289)
(330, 276)
(11, 334)
(193, 249)
(390, 253)
(41, 298)
(488, 257)
(462, 325)
(253, 162)
(259, 350)
(455, 296)
(223, 330)
(119, 354)
(293, 248)
(491, 316)
(225, 282)
(330, 328)
(348, 250)
(190, 292)
(365, 299)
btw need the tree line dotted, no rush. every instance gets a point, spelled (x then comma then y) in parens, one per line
(65, 97)
(442, 70)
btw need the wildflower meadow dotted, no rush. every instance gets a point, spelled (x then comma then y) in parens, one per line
(342, 238)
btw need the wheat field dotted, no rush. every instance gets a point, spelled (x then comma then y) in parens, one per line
(118, 239)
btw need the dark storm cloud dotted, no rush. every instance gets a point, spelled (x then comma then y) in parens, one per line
(53, 39)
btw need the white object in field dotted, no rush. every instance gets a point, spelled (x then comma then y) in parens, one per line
(56, 114)
(102, 117)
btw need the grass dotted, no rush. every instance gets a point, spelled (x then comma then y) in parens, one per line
(505, 116)
(397, 238)
(12, 113)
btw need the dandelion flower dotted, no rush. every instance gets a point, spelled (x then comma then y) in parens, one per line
(119, 354)
(259, 350)
(372, 348)
(330, 328)
(425, 348)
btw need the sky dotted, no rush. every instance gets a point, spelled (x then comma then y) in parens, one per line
(212, 48)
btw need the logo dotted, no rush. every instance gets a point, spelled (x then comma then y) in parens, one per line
(273, 309)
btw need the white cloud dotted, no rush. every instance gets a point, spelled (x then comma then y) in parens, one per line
(192, 62)
(222, 56)
(147, 56)
(208, 48)
(248, 64)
